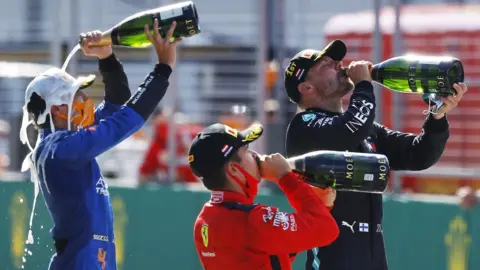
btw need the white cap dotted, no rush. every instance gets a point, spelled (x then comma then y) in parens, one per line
(56, 87)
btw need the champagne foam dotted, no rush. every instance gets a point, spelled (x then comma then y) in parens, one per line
(72, 53)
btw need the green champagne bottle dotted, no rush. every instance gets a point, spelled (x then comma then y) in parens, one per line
(346, 171)
(419, 74)
(130, 31)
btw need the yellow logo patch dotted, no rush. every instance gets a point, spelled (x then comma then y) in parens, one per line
(190, 159)
(291, 68)
(231, 131)
(255, 132)
(320, 54)
(205, 234)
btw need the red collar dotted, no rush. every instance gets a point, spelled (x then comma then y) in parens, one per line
(219, 196)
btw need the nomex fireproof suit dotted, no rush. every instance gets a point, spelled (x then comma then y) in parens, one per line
(360, 245)
(231, 232)
(75, 192)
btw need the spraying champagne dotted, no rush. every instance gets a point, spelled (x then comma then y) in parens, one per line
(130, 31)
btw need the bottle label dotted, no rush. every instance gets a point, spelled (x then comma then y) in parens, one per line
(412, 71)
(171, 13)
(344, 170)
(443, 83)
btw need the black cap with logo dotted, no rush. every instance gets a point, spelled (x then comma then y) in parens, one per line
(214, 146)
(299, 65)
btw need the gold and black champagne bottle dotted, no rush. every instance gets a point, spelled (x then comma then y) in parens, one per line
(130, 31)
(419, 74)
(347, 171)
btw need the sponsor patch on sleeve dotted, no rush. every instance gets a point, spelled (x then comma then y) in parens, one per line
(278, 219)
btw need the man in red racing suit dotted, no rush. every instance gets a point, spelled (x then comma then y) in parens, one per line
(232, 232)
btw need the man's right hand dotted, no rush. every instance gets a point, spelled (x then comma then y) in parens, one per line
(360, 71)
(94, 37)
(273, 167)
(166, 50)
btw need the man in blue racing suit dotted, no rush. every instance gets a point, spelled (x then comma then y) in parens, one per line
(72, 133)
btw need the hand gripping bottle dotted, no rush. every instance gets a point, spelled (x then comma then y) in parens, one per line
(130, 31)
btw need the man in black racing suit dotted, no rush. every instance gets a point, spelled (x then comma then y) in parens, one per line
(316, 81)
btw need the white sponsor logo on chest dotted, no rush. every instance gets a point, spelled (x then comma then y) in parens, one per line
(360, 117)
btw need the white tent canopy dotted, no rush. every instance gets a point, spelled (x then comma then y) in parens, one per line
(414, 19)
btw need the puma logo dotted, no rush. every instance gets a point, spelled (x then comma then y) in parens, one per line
(344, 223)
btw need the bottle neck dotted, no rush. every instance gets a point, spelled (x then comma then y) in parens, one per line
(375, 72)
(296, 166)
(105, 40)
(291, 161)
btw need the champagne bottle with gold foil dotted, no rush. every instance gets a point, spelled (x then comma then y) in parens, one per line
(346, 171)
(130, 31)
(419, 74)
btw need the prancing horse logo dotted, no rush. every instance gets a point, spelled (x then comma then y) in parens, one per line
(205, 234)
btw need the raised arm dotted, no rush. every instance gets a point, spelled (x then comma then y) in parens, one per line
(407, 151)
(117, 90)
(89, 143)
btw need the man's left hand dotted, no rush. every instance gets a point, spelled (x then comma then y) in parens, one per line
(327, 195)
(451, 102)
(94, 37)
